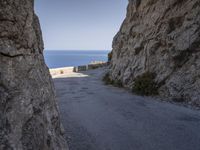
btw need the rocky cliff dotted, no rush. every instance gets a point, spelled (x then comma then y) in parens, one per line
(29, 118)
(161, 37)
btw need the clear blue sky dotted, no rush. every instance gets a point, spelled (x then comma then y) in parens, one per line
(80, 24)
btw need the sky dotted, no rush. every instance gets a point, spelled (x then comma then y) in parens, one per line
(80, 24)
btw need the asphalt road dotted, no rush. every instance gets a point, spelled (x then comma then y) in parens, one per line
(100, 117)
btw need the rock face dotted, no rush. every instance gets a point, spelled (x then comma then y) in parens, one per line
(29, 118)
(161, 37)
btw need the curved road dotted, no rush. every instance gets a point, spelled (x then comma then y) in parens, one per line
(100, 117)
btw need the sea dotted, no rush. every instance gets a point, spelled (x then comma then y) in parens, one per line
(69, 58)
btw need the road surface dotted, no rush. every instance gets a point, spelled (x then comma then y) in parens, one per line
(100, 117)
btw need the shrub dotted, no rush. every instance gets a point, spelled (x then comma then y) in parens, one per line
(95, 67)
(145, 85)
(109, 56)
(178, 99)
(107, 80)
(117, 83)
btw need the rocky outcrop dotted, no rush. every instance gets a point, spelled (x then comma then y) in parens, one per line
(29, 118)
(161, 37)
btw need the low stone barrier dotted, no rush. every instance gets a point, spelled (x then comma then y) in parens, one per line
(65, 70)
(94, 66)
(90, 66)
(81, 68)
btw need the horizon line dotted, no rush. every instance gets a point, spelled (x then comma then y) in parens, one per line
(77, 49)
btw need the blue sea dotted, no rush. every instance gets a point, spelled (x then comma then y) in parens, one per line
(67, 58)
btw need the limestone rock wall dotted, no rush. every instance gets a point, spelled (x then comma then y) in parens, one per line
(29, 118)
(162, 37)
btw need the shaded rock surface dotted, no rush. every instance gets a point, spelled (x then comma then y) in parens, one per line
(161, 37)
(29, 118)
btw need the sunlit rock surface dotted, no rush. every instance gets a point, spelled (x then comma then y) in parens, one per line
(162, 37)
(29, 118)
